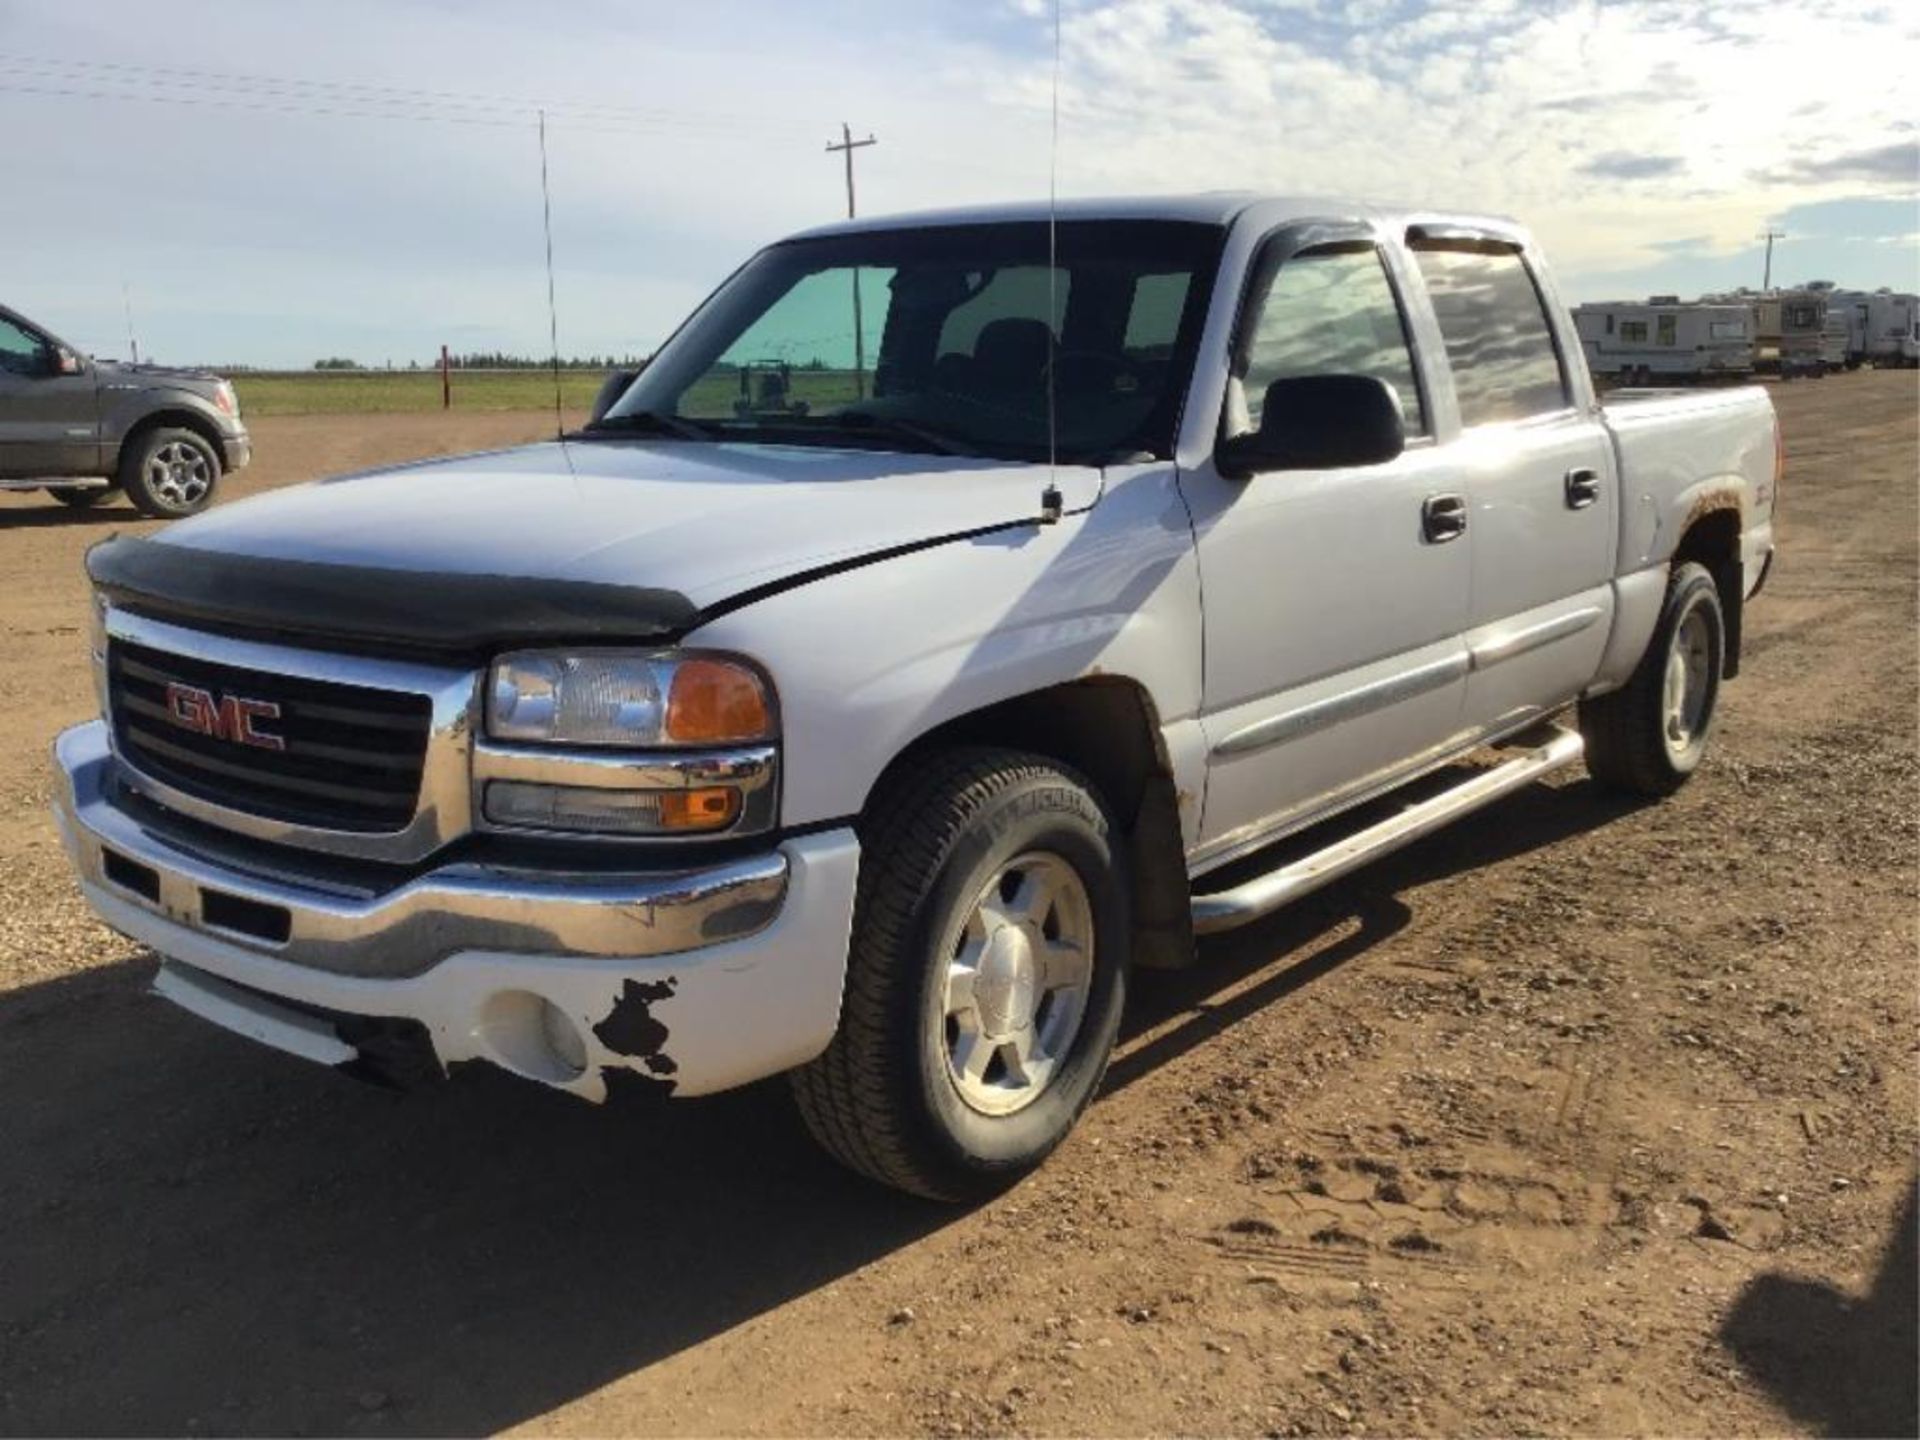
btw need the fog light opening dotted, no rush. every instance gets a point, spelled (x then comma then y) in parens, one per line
(532, 1036)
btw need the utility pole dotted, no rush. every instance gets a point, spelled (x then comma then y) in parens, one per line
(1770, 236)
(846, 147)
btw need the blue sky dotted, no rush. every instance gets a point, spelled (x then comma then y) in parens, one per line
(175, 150)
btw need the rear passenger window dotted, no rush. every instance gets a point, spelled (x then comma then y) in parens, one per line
(1495, 329)
(1331, 312)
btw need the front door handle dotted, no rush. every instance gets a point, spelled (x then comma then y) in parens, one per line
(1583, 488)
(1443, 518)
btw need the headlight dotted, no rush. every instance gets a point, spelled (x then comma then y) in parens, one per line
(626, 699)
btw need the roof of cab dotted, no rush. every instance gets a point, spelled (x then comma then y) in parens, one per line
(1217, 207)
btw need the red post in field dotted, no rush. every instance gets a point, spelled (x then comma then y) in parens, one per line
(446, 381)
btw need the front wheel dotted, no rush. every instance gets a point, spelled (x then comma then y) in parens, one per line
(985, 977)
(169, 473)
(1648, 736)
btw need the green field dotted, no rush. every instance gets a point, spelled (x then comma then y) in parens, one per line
(391, 392)
(371, 392)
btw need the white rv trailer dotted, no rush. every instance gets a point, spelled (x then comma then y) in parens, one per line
(1787, 331)
(1889, 320)
(1852, 306)
(1835, 333)
(1665, 338)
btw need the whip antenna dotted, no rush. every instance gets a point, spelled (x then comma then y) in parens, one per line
(553, 314)
(1050, 502)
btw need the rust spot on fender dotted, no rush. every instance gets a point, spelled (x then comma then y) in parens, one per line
(1711, 502)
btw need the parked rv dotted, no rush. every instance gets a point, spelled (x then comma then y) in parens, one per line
(1788, 332)
(1635, 342)
(1835, 332)
(1889, 319)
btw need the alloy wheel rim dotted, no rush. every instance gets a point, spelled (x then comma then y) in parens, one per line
(179, 474)
(1018, 975)
(1687, 684)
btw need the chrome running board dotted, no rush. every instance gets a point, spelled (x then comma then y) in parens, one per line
(1266, 893)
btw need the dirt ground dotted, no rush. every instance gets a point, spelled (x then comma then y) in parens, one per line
(1580, 1118)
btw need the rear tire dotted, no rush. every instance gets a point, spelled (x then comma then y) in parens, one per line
(81, 497)
(1650, 735)
(169, 472)
(985, 976)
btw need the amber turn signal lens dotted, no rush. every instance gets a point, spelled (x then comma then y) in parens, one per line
(711, 808)
(716, 702)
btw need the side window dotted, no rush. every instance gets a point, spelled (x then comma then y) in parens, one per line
(1153, 320)
(21, 352)
(1501, 350)
(1666, 329)
(1331, 312)
(1634, 331)
(1021, 293)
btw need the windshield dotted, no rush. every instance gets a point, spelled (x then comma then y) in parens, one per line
(944, 340)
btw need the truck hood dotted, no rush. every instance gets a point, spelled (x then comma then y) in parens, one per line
(155, 374)
(707, 521)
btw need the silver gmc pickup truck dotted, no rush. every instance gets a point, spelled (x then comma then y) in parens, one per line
(904, 655)
(84, 430)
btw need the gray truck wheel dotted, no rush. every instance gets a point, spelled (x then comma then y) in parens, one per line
(81, 497)
(985, 977)
(169, 473)
(1648, 736)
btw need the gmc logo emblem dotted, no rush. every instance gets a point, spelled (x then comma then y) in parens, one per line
(229, 718)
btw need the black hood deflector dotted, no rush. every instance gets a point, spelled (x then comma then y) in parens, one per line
(357, 604)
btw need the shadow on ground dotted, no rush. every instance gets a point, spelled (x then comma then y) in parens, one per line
(1842, 1365)
(199, 1235)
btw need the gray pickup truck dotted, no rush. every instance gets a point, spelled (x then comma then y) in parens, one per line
(82, 429)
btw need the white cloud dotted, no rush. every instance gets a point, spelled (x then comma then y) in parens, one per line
(273, 232)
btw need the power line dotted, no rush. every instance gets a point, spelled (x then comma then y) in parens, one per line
(344, 92)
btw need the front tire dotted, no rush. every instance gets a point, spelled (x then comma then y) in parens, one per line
(169, 473)
(985, 978)
(1650, 735)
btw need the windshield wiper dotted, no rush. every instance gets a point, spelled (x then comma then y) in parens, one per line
(648, 420)
(900, 429)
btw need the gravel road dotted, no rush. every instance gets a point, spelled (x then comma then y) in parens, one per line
(1580, 1118)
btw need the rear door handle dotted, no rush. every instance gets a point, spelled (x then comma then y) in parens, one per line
(1583, 488)
(1443, 518)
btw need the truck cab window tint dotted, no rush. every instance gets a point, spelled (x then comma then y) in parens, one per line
(21, 352)
(1499, 348)
(799, 354)
(1331, 312)
(1153, 319)
(1003, 340)
(1016, 292)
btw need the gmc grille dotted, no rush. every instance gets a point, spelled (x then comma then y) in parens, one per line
(352, 756)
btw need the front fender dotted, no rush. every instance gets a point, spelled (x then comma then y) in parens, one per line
(124, 409)
(868, 660)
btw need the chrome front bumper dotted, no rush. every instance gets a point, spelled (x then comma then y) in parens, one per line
(739, 964)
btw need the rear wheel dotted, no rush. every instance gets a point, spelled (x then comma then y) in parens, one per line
(81, 497)
(1648, 736)
(169, 472)
(985, 977)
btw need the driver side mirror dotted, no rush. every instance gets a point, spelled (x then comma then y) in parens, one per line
(1318, 422)
(62, 361)
(611, 389)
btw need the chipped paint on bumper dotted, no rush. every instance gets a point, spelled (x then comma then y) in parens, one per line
(689, 1022)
